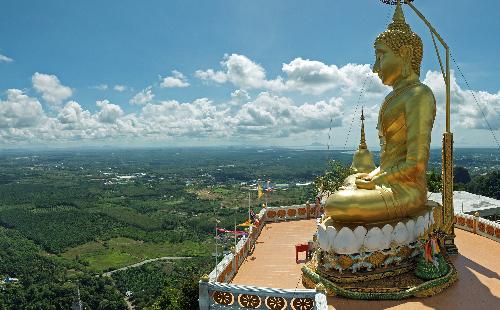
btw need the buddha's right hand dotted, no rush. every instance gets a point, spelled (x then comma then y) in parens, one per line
(365, 183)
(350, 181)
(361, 175)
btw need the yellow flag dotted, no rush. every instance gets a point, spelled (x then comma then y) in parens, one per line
(246, 224)
(259, 191)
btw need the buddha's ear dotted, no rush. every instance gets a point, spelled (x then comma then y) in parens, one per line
(406, 53)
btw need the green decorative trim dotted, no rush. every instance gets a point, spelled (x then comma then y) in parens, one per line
(427, 271)
(428, 288)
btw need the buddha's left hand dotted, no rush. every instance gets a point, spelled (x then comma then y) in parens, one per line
(365, 183)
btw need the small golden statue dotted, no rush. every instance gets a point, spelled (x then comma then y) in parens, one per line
(397, 189)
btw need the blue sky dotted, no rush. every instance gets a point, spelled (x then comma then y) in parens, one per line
(71, 69)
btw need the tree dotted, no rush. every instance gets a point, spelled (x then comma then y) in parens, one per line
(168, 300)
(333, 178)
(461, 175)
(434, 183)
(188, 294)
(487, 185)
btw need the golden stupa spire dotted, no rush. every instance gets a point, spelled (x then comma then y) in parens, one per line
(398, 14)
(362, 143)
(362, 160)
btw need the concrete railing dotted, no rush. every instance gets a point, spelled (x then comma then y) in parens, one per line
(478, 225)
(294, 212)
(229, 296)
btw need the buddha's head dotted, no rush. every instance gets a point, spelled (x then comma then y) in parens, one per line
(398, 51)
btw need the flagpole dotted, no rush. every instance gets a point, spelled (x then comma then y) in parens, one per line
(249, 207)
(235, 233)
(216, 252)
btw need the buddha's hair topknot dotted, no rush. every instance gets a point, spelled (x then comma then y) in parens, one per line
(399, 34)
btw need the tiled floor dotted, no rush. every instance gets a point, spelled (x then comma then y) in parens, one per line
(273, 265)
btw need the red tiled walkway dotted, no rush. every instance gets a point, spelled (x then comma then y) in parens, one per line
(273, 265)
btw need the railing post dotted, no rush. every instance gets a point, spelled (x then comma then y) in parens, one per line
(203, 297)
(476, 221)
(320, 301)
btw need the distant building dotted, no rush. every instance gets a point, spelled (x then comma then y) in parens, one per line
(281, 186)
(465, 202)
(10, 280)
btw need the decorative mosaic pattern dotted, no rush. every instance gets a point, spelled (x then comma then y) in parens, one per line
(249, 301)
(276, 303)
(302, 303)
(366, 261)
(382, 290)
(223, 298)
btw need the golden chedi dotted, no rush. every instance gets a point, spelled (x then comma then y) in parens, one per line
(397, 189)
(362, 161)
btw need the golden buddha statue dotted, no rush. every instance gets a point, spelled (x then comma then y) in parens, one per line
(397, 189)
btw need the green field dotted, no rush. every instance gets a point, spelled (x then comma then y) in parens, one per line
(119, 252)
(67, 216)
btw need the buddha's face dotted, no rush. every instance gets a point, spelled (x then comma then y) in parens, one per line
(388, 64)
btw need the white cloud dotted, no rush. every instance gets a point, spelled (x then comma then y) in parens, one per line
(109, 112)
(143, 97)
(240, 95)
(20, 111)
(242, 72)
(71, 113)
(314, 77)
(270, 115)
(120, 88)
(465, 112)
(53, 92)
(4, 58)
(210, 74)
(100, 87)
(176, 80)
(301, 75)
(275, 115)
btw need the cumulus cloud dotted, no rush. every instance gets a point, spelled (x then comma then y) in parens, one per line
(120, 88)
(143, 97)
(240, 95)
(314, 77)
(272, 112)
(20, 110)
(266, 116)
(109, 112)
(242, 72)
(53, 92)
(210, 74)
(4, 58)
(301, 75)
(465, 112)
(177, 80)
(271, 115)
(71, 113)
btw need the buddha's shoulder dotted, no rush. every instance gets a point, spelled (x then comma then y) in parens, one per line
(421, 92)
